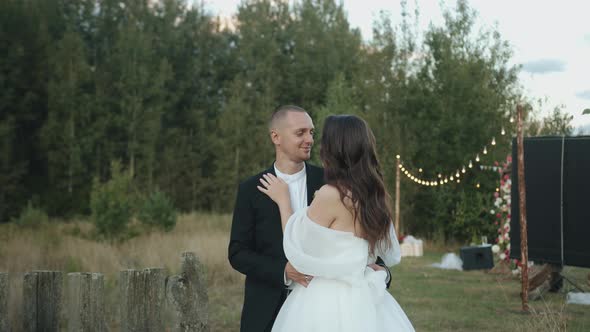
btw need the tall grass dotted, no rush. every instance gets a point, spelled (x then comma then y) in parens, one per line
(66, 247)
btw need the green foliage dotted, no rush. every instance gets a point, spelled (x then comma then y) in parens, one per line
(158, 210)
(586, 111)
(469, 219)
(31, 216)
(111, 203)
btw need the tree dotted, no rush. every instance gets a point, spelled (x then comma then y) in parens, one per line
(65, 136)
(458, 98)
(139, 84)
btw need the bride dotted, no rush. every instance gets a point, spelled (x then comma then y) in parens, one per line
(336, 239)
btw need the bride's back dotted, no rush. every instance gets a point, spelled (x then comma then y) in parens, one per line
(329, 210)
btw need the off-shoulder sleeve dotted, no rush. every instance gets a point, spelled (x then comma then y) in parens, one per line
(391, 256)
(319, 251)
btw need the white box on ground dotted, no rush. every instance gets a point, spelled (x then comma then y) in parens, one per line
(412, 247)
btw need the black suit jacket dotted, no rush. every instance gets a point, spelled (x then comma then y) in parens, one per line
(256, 249)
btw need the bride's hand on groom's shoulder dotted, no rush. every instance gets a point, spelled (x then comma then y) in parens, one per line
(275, 188)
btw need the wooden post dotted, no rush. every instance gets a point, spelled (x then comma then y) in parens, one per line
(187, 295)
(42, 300)
(3, 301)
(86, 311)
(524, 250)
(397, 198)
(142, 296)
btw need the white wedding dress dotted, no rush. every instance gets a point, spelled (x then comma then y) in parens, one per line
(345, 295)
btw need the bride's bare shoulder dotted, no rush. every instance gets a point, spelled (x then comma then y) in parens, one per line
(324, 207)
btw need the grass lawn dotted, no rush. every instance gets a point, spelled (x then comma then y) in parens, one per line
(443, 300)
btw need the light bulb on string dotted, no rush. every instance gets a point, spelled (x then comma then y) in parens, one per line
(457, 174)
(503, 132)
(511, 119)
(441, 182)
(485, 150)
(463, 170)
(470, 164)
(477, 185)
(420, 170)
(439, 175)
(400, 166)
(446, 180)
(477, 157)
(493, 141)
(397, 156)
(458, 181)
(452, 178)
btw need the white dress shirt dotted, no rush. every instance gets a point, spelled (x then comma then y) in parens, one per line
(297, 190)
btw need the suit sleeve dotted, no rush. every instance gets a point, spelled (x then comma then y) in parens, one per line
(380, 262)
(242, 253)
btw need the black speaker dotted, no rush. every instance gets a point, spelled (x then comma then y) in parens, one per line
(477, 257)
(557, 178)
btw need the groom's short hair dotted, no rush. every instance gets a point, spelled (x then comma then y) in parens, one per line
(280, 112)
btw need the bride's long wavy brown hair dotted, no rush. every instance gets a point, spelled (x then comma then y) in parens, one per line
(350, 163)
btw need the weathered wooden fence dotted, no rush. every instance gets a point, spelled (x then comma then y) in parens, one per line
(144, 297)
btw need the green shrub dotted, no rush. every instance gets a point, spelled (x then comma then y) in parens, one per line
(31, 216)
(110, 203)
(157, 210)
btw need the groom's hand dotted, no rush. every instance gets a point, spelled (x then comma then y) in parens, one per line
(297, 277)
(376, 267)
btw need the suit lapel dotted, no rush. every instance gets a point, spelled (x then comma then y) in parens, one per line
(314, 179)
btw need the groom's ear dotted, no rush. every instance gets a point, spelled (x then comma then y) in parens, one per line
(274, 136)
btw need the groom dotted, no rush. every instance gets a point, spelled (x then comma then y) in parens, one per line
(256, 241)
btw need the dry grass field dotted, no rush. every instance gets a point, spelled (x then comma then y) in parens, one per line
(435, 300)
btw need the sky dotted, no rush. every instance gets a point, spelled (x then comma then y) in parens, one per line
(549, 38)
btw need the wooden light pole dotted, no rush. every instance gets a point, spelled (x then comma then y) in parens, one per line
(397, 180)
(524, 250)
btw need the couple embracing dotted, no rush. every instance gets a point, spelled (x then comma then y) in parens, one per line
(315, 243)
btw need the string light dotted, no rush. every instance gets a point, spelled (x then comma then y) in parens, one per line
(477, 185)
(453, 176)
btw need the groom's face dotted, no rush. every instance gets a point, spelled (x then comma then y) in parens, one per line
(295, 136)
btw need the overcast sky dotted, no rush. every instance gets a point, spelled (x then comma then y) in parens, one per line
(550, 39)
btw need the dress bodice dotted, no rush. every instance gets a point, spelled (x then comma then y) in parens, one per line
(319, 251)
